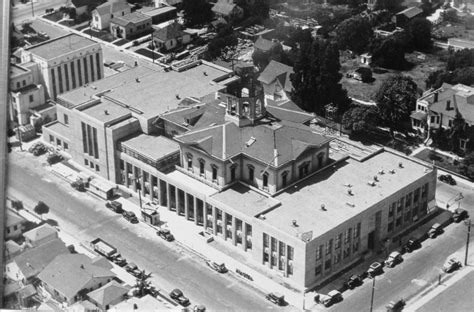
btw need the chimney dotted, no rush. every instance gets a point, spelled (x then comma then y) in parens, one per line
(448, 105)
(435, 97)
(294, 223)
(323, 207)
(106, 112)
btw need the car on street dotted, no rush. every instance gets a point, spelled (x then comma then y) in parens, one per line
(114, 206)
(375, 269)
(447, 178)
(119, 260)
(133, 269)
(393, 259)
(353, 281)
(276, 298)
(219, 267)
(165, 234)
(435, 230)
(199, 308)
(130, 216)
(411, 244)
(460, 214)
(331, 298)
(152, 291)
(451, 265)
(178, 296)
(395, 306)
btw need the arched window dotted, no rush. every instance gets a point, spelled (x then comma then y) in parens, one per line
(189, 158)
(202, 163)
(214, 172)
(265, 180)
(233, 168)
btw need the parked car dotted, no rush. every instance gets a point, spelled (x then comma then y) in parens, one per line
(114, 206)
(451, 264)
(435, 230)
(119, 260)
(393, 259)
(375, 269)
(178, 296)
(353, 281)
(152, 291)
(395, 306)
(219, 267)
(447, 178)
(130, 216)
(199, 308)
(331, 298)
(165, 234)
(460, 214)
(131, 267)
(411, 244)
(78, 185)
(276, 298)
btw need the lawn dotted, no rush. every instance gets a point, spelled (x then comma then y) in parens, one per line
(148, 53)
(440, 160)
(423, 64)
(121, 42)
(104, 35)
(54, 17)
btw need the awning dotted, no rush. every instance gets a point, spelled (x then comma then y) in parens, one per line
(102, 185)
(418, 115)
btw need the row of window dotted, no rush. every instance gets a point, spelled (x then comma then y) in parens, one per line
(58, 142)
(348, 235)
(338, 256)
(278, 253)
(406, 201)
(92, 165)
(89, 140)
(408, 216)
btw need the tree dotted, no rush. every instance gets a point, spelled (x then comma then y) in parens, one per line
(316, 78)
(388, 53)
(396, 99)
(419, 33)
(359, 119)
(142, 284)
(354, 34)
(197, 12)
(450, 15)
(17, 204)
(393, 6)
(224, 41)
(41, 208)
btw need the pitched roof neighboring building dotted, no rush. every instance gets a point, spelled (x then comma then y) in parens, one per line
(460, 97)
(33, 261)
(60, 46)
(223, 7)
(132, 18)
(68, 274)
(112, 7)
(40, 232)
(288, 110)
(171, 31)
(411, 12)
(276, 70)
(108, 293)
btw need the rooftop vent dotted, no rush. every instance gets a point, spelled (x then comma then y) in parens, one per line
(177, 97)
(350, 204)
(82, 266)
(376, 179)
(137, 79)
(294, 223)
(251, 141)
(371, 183)
(392, 171)
(400, 164)
(381, 172)
(323, 207)
(348, 185)
(349, 191)
(106, 112)
(262, 217)
(204, 73)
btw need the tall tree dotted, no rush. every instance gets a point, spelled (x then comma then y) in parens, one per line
(390, 5)
(419, 32)
(41, 208)
(316, 78)
(388, 53)
(360, 119)
(197, 12)
(354, 34)
(396, 99)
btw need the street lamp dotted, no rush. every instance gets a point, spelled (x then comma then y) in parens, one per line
(373, 291)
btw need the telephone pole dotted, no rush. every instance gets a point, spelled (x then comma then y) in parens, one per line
(468, 223)
(32, 9)
(373, 291)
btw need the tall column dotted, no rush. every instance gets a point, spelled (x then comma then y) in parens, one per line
(224, 222)
(134, 181)
(244, 235)
(214, 220)
(195, 210)
(186, 206)
(204, 215)
(176, 191)
(286, 264)
(127, 180)
(234, 230)
(168, 197)
(142, 182)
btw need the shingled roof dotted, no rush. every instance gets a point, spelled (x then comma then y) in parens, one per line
(172, 31)
(223, 7)
(276, 70)
(112, 7)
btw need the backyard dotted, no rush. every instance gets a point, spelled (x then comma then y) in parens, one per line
(440, 160)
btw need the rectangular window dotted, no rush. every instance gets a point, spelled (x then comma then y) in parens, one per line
(53, 79)
(416, 195)
(291, 253)
(319, 252)
(408, 200)
(327, 264)
(390, 227)
(201, 167)
(282, 248)
(79, 72)
(66, 119)
(86, 162)
(97, 60)
(266, 240)
(357, 231)
(318, 270)
(399, 222)
(60, 80)
(232, 173)
(390, 211)
(86, 72)
(97, 168)
(424, 192)
(51, 139)
(400, 204)
(348, 235)
(89, 141)
(338, 241)
(347, 252)
(31, 98)
(355, 247)
(66, 74)
(73, 75)
(58, 142)
(91, 62)
(337, 257)
(66, 146)
(214, 173)
(251, 173)
(329, 247)
(407, 216)
(274, 244)
(95, 143)
(84, 137)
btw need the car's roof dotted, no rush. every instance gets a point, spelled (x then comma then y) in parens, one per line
(333, 293)
(394, 253)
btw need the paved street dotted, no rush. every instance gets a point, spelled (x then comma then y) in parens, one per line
(23, 12)
(86, 218)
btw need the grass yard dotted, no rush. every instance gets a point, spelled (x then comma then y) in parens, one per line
(54, 17)
(440, 160)
(104, 35)
(423, 64)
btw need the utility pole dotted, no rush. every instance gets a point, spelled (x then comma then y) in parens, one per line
(32, 9)
(372, 298)
(468, 223)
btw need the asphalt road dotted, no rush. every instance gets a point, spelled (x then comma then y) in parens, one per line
(419, 268)
(85, 217)
(24, 12)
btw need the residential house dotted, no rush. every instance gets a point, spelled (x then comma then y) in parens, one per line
(14, 225)
(160, 14)
(403, 17)
(12, 249)
(27, 265)
(275, 80)
(108, 295)
(265, 45)
(439, 108)
(40, 235)
(84, 306)
(81, 6)
(227, 9)
(146, 303)
(170, 37)
(69, 277)
(130, 26)
(102, 15)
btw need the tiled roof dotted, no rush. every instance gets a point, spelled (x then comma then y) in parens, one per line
(172, 31)
(108, 293)
(462, 100)
(40, 232)
(68, 274)
(34, 260)
(288, 110)
(223, 7)
(276, 70)
(132, 18)
(112, 7)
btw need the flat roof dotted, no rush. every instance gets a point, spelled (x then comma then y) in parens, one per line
(16, 70)
(245, 200)
(59, 46)
(151, 91)
(303, 201)
(182, 180)
(52, 30)
(59, 128)
(154, 147)
(106, 111)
